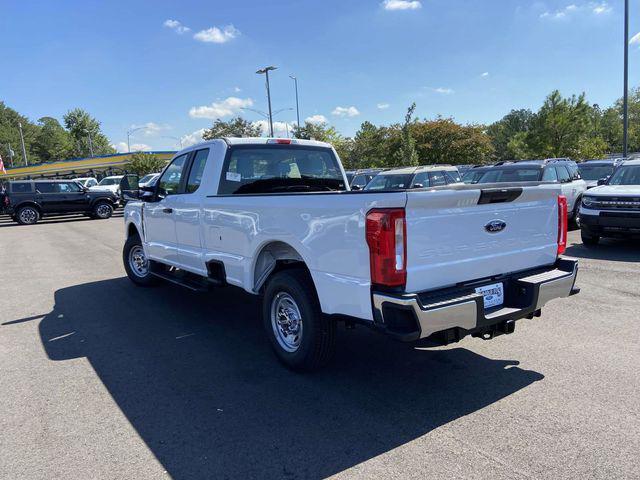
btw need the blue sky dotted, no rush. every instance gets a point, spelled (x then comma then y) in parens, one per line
(173, 66)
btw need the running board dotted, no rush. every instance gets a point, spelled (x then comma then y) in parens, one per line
(181, 279)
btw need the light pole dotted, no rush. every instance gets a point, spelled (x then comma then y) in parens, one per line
(266, 71)
(24, 150)
(295, 81)
(625, 97)
(11, 153)
(90, 142)
(174, 138)
(129, 132)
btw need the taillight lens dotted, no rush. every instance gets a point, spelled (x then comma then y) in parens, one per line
(386, 236)
(562, 224)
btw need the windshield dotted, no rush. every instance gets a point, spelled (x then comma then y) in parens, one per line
(595, 172)
(504, 175)
(629, 175)
(109, 181)
(146, 178)
(280, 169)
(390, 182)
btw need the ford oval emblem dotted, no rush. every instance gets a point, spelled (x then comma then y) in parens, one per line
(495, 226)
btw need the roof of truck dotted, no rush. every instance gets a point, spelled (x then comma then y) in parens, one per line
(269, 140)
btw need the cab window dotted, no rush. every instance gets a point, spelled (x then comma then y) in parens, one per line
(563, 174)
(197, 169)
(437, 179)
(549, 175)
(71, 187)
(169, 182)
(421, 179)
(46, 187)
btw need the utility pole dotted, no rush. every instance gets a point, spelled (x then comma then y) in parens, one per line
(266, 71)
(625, 98)
(295, 80)
(24, 150)
(90, 143)
(129, 132)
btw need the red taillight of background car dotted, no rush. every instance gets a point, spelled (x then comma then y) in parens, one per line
(563, 225)
(386, 233)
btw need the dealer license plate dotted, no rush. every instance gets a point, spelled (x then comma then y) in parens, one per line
(493, 294)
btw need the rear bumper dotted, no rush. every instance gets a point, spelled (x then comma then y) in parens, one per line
(449, 315)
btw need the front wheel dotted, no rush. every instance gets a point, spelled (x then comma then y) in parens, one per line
(302, 337)
(136, 263)
(589, 240)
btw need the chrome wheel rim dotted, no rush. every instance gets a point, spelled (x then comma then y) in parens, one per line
(286, 322)
(28, 215)
(103, 210)
(138, 261)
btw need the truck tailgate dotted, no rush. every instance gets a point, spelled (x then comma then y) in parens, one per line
(449, 237)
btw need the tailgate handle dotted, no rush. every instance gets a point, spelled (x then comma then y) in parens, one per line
(499, 195)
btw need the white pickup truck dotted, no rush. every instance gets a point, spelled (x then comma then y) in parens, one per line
(276, 218)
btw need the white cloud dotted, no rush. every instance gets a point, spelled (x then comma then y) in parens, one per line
(595, 8)
(401, 4)
(635, 40)
(237, 89)
(443, 90)
(225, 108)
(345, 111)
(192, 138)
(217, 35)
(176, 26)
(279, 128)
(316, 119)
(484, 74)
(121, 147)
(382, 106)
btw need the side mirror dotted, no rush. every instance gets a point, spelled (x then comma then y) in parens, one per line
(418, 185)
(603, 181)
(356, 187)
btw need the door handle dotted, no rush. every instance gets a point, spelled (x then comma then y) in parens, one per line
(167, 210)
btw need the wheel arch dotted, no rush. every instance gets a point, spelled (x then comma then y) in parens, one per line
(28, 203)
(132, 230)
(273, 257)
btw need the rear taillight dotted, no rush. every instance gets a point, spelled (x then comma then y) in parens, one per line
(562, 224)
(386, 236)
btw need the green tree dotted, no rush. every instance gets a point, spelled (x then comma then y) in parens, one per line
(236, 127)
(374, 146)
(143, 163)
(10, 135)
(325, 133)
(444, 141)
(503, 134)
(406, 155)
(83, 129)
(52, 141)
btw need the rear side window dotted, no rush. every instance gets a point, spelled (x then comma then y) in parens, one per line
(452, 177)
(437, 179)
(280, 169)
(360, 181)
(563, 173)
(421, 179)
(550, 175)
(390, 182)
(23, 187)
(71, 187)
(46, 187)
(507, 175)
(197, 169)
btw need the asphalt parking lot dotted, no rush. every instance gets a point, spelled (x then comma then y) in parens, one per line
(101, 379)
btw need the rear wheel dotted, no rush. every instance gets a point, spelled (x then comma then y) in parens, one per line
(302, 337)
(588, 239)
(102, 210)
(27, 215)
(136, 263)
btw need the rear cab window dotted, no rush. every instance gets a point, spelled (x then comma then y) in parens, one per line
(272, 169)
(197, 170)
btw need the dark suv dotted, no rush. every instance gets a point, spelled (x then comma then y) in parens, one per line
(28, 201)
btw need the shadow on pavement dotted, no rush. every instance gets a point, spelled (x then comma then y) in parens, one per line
(6, 221)
(608, 249)
(195, 376)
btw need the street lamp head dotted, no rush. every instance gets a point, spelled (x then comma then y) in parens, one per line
(293, 77)
(266, 69)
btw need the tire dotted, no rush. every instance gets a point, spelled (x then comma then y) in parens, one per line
(102, 210)
(589, 240)
(138, 271)
(575, 217)
(27, 215)
(313, 347)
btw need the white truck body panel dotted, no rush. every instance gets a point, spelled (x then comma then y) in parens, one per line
(446, 239)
